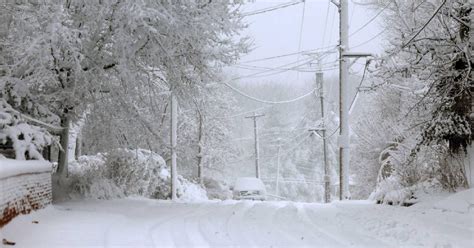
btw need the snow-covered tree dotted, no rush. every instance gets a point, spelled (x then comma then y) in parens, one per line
(71, 54)
(420, 111)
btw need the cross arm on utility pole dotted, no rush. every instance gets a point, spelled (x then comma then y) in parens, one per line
(255, 116)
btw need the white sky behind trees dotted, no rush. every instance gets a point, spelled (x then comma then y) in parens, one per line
(278, 32)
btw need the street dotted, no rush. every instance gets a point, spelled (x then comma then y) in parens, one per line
(148, 223)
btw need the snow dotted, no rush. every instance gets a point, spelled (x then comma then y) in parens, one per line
(217, 189)
(462, 202)
(125, 172)
(26, 138)
(11, 167)
(138, 222)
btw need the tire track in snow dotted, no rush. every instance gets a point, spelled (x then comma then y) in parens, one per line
(234, 223)
(214, 227)
(132, 221)
(331, 239)
(302, 235)
(194, 232)
(273, 235)
(166, 239)
(343, 226)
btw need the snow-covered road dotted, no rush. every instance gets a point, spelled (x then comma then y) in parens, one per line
(149, 223)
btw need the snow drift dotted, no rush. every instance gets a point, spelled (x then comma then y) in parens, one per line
(125, 172)
(461, 202)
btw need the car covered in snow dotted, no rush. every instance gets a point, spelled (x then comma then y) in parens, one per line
(249, 188)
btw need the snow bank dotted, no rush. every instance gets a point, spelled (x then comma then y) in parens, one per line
(125, 172)
(462, 202)
(391, 192)
(11, 167)
(217, 189)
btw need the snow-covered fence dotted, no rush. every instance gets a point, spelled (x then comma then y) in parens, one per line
(25, 185)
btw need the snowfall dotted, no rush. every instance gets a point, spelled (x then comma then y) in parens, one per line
(443, 221)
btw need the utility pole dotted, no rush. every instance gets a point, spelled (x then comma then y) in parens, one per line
(255, 128)
(343, 99)
(278, 169)
(327, 190)
(322, 128)
(173, 138)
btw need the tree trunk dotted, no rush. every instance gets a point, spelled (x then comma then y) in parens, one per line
(78, 151)
(174, 137)
(63, 153)
(199, 155)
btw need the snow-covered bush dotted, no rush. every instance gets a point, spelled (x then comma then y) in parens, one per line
(125, 172)
(87, 179)
(27, 140)
(391, 191)
(217, 189)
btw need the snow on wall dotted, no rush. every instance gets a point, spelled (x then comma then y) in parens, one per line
(24, 186)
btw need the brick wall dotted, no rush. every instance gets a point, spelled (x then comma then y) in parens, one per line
(24, 186)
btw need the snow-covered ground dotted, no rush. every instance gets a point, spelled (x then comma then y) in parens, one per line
(134, 222)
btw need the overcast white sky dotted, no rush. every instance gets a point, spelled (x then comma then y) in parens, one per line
(278, 32)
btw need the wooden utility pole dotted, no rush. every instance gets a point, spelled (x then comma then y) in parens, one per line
(278, 169)
(327, 189)
(322, 128)
(255, 128)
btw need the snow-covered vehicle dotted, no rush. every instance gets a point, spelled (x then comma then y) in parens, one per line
(249, 188)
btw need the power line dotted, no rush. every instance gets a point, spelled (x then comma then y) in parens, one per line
(301, 27)
(243, 113)
(370, 21)
(273, 8)
(332, 25)
(307, 61)
(266, 69)
(360, 84)
(293, 181)
(352, 13)
(292, 54)
(426, 24)
(371, 39)
(300, 38)
(269, 102)
(295, 146)
(289, 69)
(326, 23)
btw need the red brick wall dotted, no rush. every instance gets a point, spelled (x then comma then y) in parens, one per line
(23, 192)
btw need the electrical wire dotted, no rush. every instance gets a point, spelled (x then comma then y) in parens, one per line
(307, 61)
(360, 84)
(266, 101)
(267, 69)
(243, 113)
(326, 23)
(332, 26)
(371, 39)
(370, 20)
(326, 48)
(273, 8)
(300, 38)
